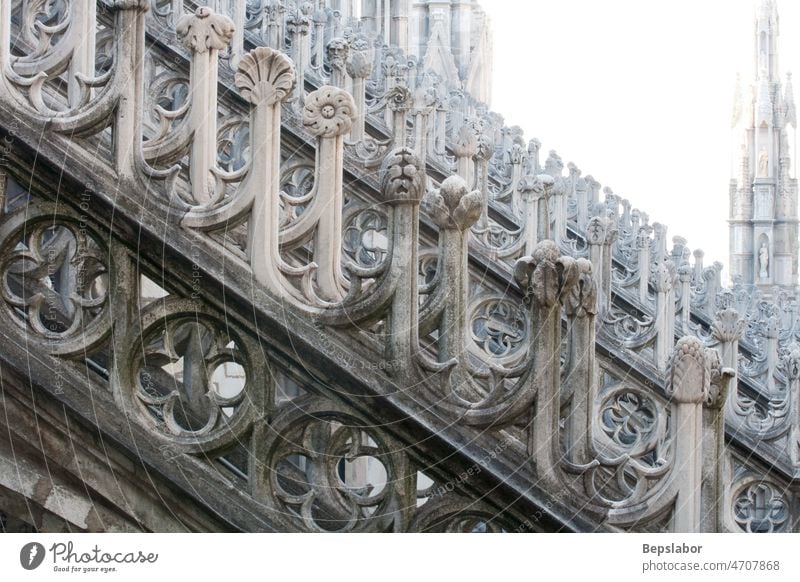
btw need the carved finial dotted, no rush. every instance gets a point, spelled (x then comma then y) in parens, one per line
(546, 276)
(402, 177)
(727, 326)
(664, 276)
(329, 112)
(688, 371)
(453, 206)
(581, 300)
(265, 75)
(596, 230)
(360, 61)
(205, 30)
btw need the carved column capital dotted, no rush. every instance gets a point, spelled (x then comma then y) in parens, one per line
(265, 75)
(205, 30)
(329, 112)
(453, 206)
(664, 276)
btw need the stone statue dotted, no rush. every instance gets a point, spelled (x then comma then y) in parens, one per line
(763, 261)
(763, 164)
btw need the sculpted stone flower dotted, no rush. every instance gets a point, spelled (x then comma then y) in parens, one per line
(453, 206)
(329, 112)
(205, 30)
(265, 75)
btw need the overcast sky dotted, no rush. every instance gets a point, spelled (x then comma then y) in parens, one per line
(637, 93)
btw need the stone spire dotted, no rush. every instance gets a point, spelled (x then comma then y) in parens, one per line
(763, 209)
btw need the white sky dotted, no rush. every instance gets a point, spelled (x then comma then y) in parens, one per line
(637, 93)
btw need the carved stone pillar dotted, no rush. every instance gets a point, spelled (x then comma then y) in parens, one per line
(771, 335)
(579, 387)
(205, 34)
(359, 67)
(698, 266)
(320, 18)
(454, 209)
(275, 12)
(536, 192)
(400, 9)
(659, 252)
(517, 158)
(547, 279)
(686, 391)
(600, 235)
(265, 78)
(643, 242)
(534, 146)
(328, 115)
(685, 278)
(727, 328)
(791, 365)
(664, 278)
(465, 148)
(298, 27)
(402, 187)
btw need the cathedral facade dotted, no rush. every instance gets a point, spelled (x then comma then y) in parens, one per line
(277, 266)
